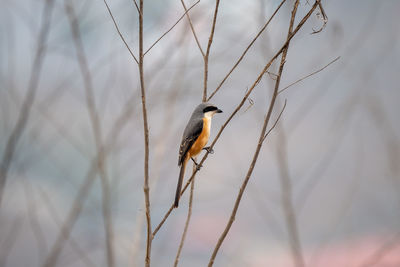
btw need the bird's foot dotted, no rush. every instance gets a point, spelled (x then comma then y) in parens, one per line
(198, 165)
(209, 149)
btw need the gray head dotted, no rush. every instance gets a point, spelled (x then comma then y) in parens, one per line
(206, 110)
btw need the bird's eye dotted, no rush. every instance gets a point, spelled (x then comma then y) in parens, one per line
(209, 108)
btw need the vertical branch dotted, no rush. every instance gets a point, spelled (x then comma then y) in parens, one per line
(189, 215)
(286, 186)
(210, 39)
(96, 127)
(260, 140)
(146, 139)
(30, 96)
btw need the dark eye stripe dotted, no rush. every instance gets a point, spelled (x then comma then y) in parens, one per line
(210, 108)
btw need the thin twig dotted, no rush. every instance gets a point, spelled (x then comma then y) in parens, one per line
(351, 52)
(324, 19)
(246, 50)
(238, 107)
(323, 12)
(136, 5)
(189, 215)
(119, 32)
(276, 121)
(206, 56)
(311, 74)
(192, 28)
(146, 139)
(165, 33)
(30, 96)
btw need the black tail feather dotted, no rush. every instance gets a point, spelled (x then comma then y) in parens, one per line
(180, 181)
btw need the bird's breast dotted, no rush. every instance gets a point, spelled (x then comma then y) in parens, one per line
(202, 139)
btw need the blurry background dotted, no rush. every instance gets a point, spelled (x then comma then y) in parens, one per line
(335, 153)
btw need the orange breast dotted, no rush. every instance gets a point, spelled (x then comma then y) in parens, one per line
(202, 139)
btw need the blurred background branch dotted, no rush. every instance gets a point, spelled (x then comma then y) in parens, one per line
(29, 98)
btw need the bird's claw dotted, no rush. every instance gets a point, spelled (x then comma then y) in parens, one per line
(198, 165)
(209, 149)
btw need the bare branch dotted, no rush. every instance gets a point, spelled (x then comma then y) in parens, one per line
(165, 33)
(186, 224)
(192, 28)
(136, 5)
(119, 32)
(276, 121)
(146, 139)
(206, 56)
(324, 19)
(167, 213)
(309, 75)
(245, 51)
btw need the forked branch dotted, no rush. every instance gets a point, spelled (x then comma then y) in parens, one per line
(165, 33)
(119, 32)
(246, 50)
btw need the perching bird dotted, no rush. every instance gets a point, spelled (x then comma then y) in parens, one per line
(194, 138)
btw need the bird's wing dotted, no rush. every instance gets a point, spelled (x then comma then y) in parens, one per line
(190, 135)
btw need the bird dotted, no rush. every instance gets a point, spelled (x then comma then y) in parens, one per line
(194, 139)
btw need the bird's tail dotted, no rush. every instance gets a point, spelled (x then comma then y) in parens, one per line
(180, 181)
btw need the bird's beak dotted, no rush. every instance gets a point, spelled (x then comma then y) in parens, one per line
(219, 111)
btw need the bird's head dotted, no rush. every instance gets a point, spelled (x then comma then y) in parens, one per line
(208, 109)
